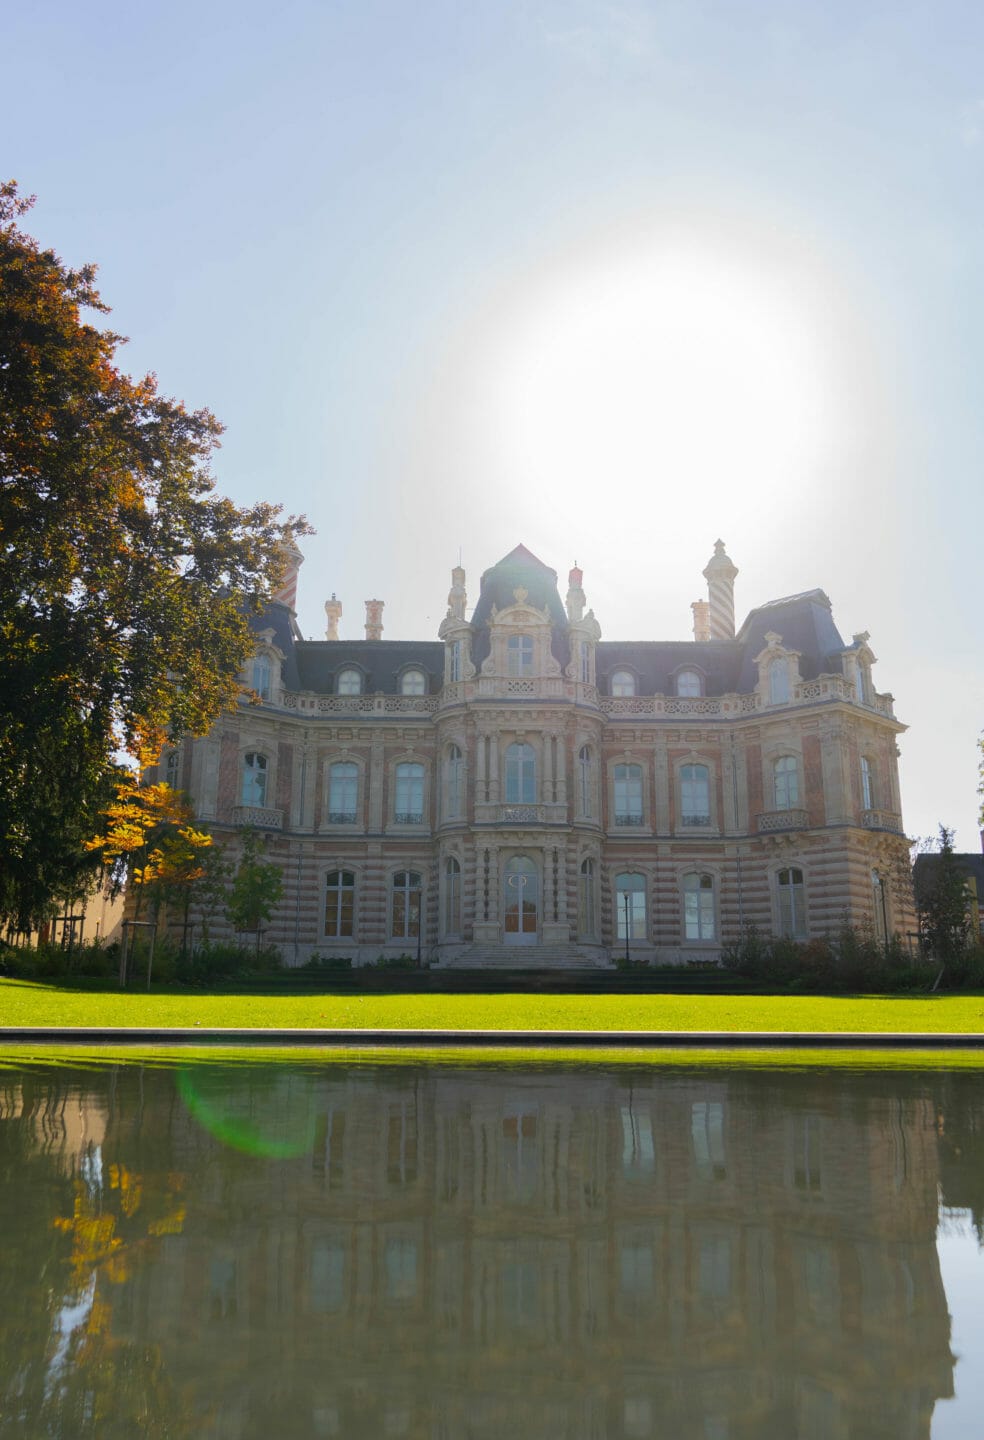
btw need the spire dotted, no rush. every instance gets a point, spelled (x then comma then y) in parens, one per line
(575, 594)
(720, 575)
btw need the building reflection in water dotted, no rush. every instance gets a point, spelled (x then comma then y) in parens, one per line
(478, 1252)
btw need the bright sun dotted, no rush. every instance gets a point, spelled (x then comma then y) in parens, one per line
(665, 365)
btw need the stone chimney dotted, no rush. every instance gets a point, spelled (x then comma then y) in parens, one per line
(374, 619)
(575, 594)
(702, 619)
(286, 591)
(457, 595)
(720, 576)
(333, 611)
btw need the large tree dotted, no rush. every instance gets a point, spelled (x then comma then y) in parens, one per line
(126, 583)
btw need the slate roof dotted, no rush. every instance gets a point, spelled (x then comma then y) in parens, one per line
(520, 568)
(381, 663)
(804, 622)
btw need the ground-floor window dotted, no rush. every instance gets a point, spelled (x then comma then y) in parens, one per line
(586, 907)
(339, 904)
(698, 907)
(630, 906)
(880, 900)
(792, 902)
(452, 897)
(406, 905)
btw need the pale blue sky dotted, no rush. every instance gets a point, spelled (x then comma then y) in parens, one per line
(610, 279)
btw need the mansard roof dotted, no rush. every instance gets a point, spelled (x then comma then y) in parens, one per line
(381, 662)
(655, 663)
(520, 569)
(805, 624)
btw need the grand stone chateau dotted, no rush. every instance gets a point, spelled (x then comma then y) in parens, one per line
(521, 791)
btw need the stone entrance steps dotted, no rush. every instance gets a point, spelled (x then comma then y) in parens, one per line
(528, 957)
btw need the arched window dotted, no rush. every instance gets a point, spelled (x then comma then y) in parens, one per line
(698, 907)
(343, 793)
(406, 905)
(519, 655)
(862, 683)
(586, 907)
(520, 774)
(688, 683)
(584, 780)
(867, 784)
(171, 768)
(792, 902)
(349, 682)
(339, 904)
(254, 782)
(454, 661)
(262, 676)
(695, 795)
(778, 681)
(452, 897)
(409, 808)
(628, 794)
(455, 790)
(630, 906)
(585, 662)
(413, 682)
(623, 683)
(786, 783)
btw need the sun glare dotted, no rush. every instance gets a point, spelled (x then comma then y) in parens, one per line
(669, 367)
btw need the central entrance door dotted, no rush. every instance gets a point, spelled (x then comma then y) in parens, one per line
(521, 893)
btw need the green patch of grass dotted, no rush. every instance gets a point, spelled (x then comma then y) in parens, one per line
(95, 1057)
(27, 1003)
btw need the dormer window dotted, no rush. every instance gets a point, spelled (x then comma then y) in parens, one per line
(519, 655)
(862, 684)
(349, 682)
(262, 676)
(413, 682)
(688, 683)
(778, 681)
(623, 683)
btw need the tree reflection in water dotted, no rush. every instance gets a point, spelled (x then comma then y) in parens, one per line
(348, 1250)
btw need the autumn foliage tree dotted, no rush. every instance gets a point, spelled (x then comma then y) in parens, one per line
(126, 583)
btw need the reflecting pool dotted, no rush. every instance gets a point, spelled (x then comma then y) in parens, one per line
(351, 1249)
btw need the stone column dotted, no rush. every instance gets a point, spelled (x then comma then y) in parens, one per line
(376, 777)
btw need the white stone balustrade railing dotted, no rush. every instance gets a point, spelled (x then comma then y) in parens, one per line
(261, 817)
(882, 820)
(555, 687)
(772, 820)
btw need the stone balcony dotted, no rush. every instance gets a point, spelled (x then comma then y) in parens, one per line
(882, 820)
(261, 817)
(554, 813)
(772, 820)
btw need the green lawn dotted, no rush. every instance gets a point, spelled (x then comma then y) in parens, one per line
(25, 1003)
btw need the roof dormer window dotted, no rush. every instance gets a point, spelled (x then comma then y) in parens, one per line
(519, 655)
(413, 682)
(349, 682)
(623, 683)
(688, 683)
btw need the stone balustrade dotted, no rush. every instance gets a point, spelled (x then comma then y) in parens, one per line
(261, 817)
(882, 820)
(771, 820)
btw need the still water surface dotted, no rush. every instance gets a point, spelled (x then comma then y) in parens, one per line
(355, 1250)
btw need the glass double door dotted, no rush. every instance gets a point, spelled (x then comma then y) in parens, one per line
(520, 901)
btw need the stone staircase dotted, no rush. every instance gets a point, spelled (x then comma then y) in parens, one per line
(528, 957)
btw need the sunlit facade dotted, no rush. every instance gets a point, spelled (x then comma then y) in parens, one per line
(521, 791)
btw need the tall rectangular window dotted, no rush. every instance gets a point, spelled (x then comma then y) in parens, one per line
(520, 775)
(409, 794)
(339, 905)
(343, 791)
(628, 794)
(695, 795)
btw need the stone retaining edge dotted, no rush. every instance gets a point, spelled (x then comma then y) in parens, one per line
(461, 1039)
